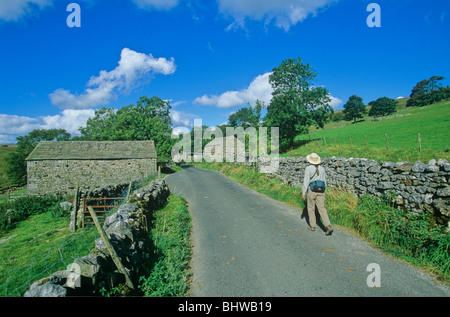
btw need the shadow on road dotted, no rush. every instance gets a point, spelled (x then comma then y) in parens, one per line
(305, 215)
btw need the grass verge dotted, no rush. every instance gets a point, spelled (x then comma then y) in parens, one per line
(401, 234)
(170, 234)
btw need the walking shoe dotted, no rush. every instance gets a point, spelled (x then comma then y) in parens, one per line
(329, 231)
(311, 228)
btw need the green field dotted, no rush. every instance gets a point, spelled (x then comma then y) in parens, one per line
(402, 128)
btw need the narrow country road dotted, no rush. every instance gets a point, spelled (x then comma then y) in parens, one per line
(246, 244)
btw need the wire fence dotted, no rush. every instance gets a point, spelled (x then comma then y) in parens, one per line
(17, 281)
(417, 141)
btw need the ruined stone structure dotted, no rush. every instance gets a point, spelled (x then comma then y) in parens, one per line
(58, 167)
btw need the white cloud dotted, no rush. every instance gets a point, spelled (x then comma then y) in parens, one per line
(259, 89)
(335, 102)
(12, 126)
(14, 10)
(69, 119)
(156, 4)
(133, 70)
(182, 122)
(284, 13)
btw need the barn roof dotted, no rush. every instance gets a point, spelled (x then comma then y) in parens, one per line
(92, 150)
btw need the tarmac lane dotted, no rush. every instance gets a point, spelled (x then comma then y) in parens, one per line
(248, 245)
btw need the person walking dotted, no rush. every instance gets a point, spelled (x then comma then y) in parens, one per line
(314, 187)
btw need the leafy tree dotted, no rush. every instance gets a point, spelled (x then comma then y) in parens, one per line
(383, 106)
(17, 166)
(354, 108)
(337, 116)
(428, 91)
(247, 116)
(148, 120)
(200, 142)
(296, 104)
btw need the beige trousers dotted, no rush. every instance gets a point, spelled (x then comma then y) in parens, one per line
(313, 200)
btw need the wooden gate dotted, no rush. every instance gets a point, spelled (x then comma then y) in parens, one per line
(101, 206)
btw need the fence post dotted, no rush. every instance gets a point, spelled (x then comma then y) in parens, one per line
(420, 143)
(110, 248)
(73, 215)
(129, 190)
(365, 137)
(387, 142)
(351, 141)
(83, 210)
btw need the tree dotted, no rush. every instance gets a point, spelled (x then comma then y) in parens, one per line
(247, 116)
(428, 91)
(354, 108)
(148, 120)
(383, 106)
(296, 104)
(16, 164)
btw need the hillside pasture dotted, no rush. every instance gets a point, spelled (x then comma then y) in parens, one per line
(394, 137)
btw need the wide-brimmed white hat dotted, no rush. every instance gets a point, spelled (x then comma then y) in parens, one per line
(313, 158)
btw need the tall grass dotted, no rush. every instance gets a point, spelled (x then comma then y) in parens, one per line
(400, 233)
(171, 237)
(414, 238)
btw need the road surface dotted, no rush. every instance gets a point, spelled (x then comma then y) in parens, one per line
(246, 244)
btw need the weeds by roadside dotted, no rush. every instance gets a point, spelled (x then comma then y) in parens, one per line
(171, 237)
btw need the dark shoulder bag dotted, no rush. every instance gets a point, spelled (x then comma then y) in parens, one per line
(317, 186)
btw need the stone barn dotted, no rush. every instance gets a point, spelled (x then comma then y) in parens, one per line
(58, 167)
(225, 148)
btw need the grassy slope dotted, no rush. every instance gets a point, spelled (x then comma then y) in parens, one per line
(402, 128)
(35, 249)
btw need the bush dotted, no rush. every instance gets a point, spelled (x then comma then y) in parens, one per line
(22, 208)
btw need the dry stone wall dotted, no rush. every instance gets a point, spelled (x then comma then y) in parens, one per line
(128, 232)
(417, 187)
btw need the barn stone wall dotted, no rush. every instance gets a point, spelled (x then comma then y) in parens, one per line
(50, 177)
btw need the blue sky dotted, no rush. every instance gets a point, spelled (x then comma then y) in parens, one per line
(209, 58)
